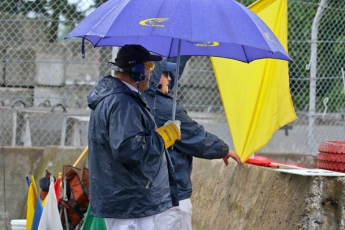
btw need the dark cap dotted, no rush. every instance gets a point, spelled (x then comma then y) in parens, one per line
(134, 54)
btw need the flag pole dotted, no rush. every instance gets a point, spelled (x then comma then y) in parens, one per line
(81, 156)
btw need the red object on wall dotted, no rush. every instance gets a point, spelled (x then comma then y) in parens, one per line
(268, 162)
(332, 156)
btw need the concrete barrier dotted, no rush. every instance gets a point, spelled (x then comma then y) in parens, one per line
(250, 197)
(36, 64)
(38, 127)
(74, 131)
(41, 127)
(225, 197)
(82, 71)
(17, 29)
(71, 96)
(9, 131)
(9, 96)
(19, 162)
(16, 163)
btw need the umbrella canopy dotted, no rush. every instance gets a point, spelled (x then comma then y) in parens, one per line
(221, 28)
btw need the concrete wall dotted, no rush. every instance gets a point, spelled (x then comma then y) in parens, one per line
(50, 64)
(41, 127)
(18, 29)
(250, 197)
(16, 163)
(71, 96)
(225, 197)
(49, 72)
(19, 162)
(36, 64)
(12, 96)
(82, 71)
(53, 71)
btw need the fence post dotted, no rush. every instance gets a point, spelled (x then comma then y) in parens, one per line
(313, 72)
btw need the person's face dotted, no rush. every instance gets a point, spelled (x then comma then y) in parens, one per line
(144, 84)
(164, 81)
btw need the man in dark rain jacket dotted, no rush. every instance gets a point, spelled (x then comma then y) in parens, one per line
(131, 175)
(195, 141)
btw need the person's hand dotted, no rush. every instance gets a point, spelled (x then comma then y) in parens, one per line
(177, 123)
(233, 155)
(170, 132)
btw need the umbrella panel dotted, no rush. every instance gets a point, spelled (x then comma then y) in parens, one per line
(168, 47)
(221, 28)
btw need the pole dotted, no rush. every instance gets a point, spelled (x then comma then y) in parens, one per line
(81, 156)
(313, 72)
(176, 79)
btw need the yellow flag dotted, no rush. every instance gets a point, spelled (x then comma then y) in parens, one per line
(31, 203)
(256, 96)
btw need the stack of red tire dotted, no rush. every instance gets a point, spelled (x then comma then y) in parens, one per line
(332, 156)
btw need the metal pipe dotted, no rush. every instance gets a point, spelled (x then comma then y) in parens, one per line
(313, 73)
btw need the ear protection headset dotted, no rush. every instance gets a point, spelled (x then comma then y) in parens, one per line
(138, 69)
(138, 72)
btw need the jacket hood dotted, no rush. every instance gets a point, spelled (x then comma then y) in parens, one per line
(183, 63)
(105, 86)
(159, 69)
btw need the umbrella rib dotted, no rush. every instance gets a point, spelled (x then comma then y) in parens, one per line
(245, 54)
(100, 38)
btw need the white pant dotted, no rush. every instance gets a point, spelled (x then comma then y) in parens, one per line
(186, 214)
(179, 218)
(167, 220)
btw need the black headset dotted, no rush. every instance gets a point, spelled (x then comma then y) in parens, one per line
(137, 69)
(138, 72)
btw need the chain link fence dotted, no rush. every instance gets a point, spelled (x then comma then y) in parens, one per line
(44, 81)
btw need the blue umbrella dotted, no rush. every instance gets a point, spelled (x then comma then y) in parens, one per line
(171, 28)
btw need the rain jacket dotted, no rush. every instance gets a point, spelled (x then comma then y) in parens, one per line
(131, 174)
(195, 141)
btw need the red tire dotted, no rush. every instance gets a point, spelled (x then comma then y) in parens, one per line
(332, 147)
(332, 156)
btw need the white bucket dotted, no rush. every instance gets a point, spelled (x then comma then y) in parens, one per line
(18, 224)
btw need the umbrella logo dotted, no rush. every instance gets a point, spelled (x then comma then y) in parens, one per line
(267, 35)
(153, 22)
(207, 44)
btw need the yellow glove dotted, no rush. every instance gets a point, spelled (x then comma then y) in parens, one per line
(170, 132)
